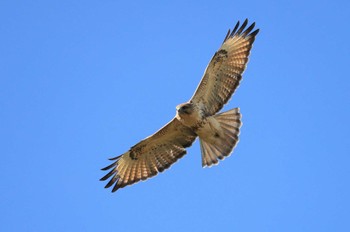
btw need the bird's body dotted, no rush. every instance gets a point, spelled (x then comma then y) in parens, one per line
(217, 132)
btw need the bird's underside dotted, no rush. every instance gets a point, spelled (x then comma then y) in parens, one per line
(217, 132)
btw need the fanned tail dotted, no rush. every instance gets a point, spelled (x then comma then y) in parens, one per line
(223, 141)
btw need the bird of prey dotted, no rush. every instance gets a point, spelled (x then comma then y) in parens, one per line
(199, 117)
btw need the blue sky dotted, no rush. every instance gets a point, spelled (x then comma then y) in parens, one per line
(81, 81)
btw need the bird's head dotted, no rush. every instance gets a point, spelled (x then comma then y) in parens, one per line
(185, 108)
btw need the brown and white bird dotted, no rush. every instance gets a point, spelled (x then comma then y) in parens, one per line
(218, 133)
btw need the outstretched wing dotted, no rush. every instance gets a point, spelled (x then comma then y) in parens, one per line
(150, 156)
(224, 71)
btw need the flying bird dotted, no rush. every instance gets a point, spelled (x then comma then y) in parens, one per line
(199, 117)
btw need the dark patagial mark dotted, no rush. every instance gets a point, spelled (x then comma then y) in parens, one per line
(132, 155)
(222, 52)
(136, 150)
(220, 55)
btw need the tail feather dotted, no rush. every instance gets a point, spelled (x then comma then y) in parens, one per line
(223, 139)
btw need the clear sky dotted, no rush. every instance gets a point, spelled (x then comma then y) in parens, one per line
(82, 81)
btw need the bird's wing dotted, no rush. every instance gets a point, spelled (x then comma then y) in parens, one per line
(150, 156)
(224, 71)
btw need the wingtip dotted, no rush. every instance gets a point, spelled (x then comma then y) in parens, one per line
(254, 33)
(235, 28)
(109, 166)
(227, 35)
(244, 24)
(239, 29)
(115, 188)
(114, 158)
(110, 183)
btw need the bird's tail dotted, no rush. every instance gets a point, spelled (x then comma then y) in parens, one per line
(224, 138)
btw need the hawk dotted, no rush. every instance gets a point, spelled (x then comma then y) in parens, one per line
(199, 117)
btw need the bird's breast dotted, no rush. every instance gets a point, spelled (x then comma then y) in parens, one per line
(190, 120)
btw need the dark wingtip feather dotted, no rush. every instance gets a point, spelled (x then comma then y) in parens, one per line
(249, 29)
(112, 181)
(108, 174)
(239, 30)
(235, 29)
(109, 166)
(254, 33)
(115, 188)
(227, 35)
(115, 158)
(119, 186)
(242, 27)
